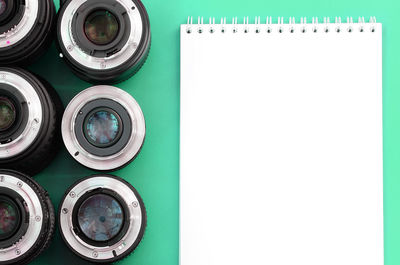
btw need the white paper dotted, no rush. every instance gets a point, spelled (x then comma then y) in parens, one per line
(281, 145)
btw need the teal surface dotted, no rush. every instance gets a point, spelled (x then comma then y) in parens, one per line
(155, 173)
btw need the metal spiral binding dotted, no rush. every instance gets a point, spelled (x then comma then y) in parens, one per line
(327, 26)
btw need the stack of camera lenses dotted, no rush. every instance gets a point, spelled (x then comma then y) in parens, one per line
(101, 218)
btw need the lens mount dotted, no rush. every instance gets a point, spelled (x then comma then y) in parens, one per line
(132, 223)
(28, 99)
(121, 139)
(25, 30)
(18, 21)
(84, 12)
(122, 148)
(11, 13)
(114, 60)
(31, 141)
(36, 220)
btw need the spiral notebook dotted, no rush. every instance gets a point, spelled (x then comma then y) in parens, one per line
(281, 142)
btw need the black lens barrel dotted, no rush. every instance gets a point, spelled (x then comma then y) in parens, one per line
(35, 200)
(130, 229)
(40, 153)
(35, 42)
(129, 66)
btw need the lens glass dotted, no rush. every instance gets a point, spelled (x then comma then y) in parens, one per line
(100, 217)
(3, 6)
(7, 113)
(8, 218)
(102, 128)
(101, 27)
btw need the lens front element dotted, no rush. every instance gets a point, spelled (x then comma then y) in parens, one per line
(101, 27)
(100, 217)
(3, 6)
(7, 113)
(9, 218)
(102, 128)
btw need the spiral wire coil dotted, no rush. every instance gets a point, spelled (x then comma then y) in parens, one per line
(282, 25)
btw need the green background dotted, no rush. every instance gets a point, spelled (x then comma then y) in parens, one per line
(155, 173)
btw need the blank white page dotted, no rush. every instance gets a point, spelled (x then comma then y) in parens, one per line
(281, 144)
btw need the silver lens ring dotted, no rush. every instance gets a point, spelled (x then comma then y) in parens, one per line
(136, 217)
(105, 63)
(32, 128)
(21, 30)
(35, 210)
(123, 156)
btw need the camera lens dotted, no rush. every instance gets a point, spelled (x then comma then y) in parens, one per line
(98, 215)
(25, 30)
(103, 128)
(30, 119)
(103, 41)
(101, 27)
(7, 113)
(27, 218)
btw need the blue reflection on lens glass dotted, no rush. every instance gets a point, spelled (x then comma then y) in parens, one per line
(3, 6)
(100, 217)
(102, 127)
(8, 217)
